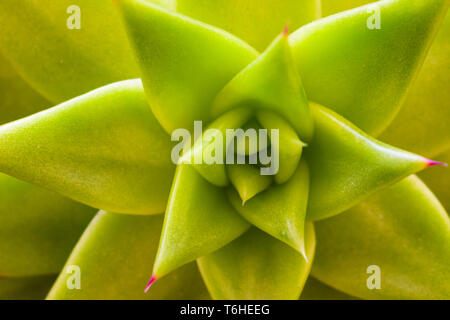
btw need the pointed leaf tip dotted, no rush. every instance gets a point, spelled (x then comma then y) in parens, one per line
(153, 278)
(430, 163)
(286, 30)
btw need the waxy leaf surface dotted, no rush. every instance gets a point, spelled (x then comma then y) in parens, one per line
(280, 211)
(360, 72)
(199, 220)
(214, 142)
(248, 180)
(346, 165)
(17, 98)
(184, 63)
(403, 230)
(105, 149)
(62, 63)
(422, 124)
(38, 228)
(270, 82)
(255, 21)
(289, 146)
(114, 255)
(257, 266)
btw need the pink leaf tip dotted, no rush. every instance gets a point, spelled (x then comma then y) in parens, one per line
(286, 30)
(152, 280)
(431, 163)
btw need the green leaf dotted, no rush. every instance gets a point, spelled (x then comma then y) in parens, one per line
(257, 266)
(209, 146)
(114, 255)
(105, 149)
(289, 146)
(17, 98)
(255, 21)
(198, 221)
(184, 62)
(59, 62)
(281, 210)
(363, 73)
(346, 165)
(438, 180)
(251, 144)
(248, 180)
(270, 82)
(403, 230)
(422, 124)
(316, 290)
(25, 288)
(334, 6)
(38, 228)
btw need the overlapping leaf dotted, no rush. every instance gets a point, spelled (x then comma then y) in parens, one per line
(257, 266)
(105, 149)
(62, 63)
(113, 256)
(270, 82)
(403, 230)
(247, 180)
(281, 210)
(360, 72)
(38, 228)
(255, 21)
(184, 63)
(17, 98)
(347, 165)
(198, 221)
(422, 124)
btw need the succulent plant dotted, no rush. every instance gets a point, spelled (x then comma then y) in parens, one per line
(345, 89)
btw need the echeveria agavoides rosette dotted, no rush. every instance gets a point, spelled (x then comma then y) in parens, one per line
(323, 93)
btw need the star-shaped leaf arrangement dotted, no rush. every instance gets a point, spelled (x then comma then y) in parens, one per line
(312, 190)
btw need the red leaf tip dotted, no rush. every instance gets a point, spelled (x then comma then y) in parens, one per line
(286, 30)
(431, 163)
(152, 280)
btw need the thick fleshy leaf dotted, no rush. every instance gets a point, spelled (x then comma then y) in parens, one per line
(113, 257)
(38, 228)
(257, 266)
(17, 98)
(422, 124)
(316, 290)
(184, 62)
(270, 82)
(360, 72)
(255, 21)
(248, 180)
(26, 288)
(334, 6)
(346, 165)
(403, 230)
(59, 62)
(289, 146)
(281, 210)
(198, 221)
(209, 153)
(105, 149)
(438, 180)
(252, 144)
